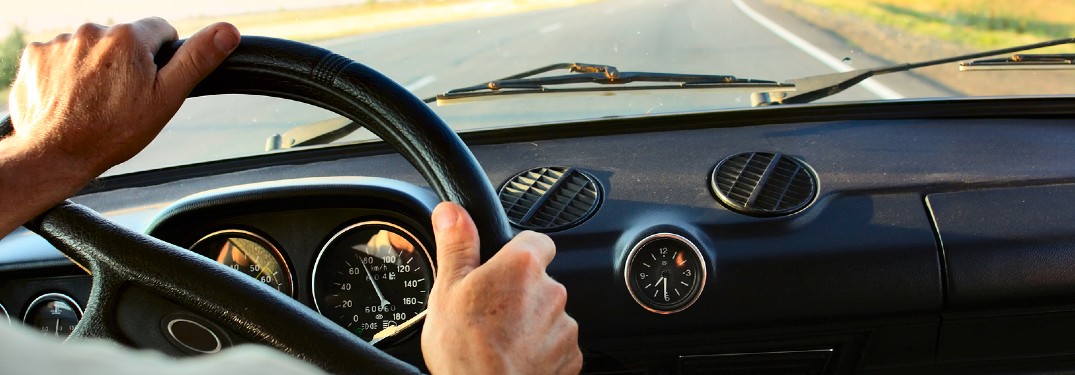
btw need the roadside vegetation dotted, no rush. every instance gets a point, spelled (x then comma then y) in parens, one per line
(972, 23)
(10, 49)
(917, 30)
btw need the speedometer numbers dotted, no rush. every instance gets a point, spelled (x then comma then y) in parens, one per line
(665, 273)
(373, 278)
(248, 253)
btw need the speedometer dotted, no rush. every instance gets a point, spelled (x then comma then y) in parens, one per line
(373, 277)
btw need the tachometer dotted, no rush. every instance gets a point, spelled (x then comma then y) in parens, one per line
(372, 277)
(248, 253)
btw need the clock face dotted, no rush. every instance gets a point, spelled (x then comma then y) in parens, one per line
(665, 273)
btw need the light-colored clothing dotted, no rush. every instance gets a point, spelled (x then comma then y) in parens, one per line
(24, 351)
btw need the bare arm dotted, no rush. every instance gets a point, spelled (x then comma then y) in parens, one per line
(87, 101)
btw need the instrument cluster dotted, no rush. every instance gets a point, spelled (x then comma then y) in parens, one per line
(372, 277)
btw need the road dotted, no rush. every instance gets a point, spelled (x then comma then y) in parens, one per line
(686, 36)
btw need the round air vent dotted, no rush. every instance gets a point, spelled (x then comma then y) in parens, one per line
(763, 184)
(550, 198)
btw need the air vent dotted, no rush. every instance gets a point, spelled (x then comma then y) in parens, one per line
(550, 198)
(763, 184)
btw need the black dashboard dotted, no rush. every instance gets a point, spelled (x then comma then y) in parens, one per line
(941, 235)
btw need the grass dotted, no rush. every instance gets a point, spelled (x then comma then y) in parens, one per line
(975, 24)
(917, 30)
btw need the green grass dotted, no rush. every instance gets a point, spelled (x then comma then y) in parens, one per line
(974, 24)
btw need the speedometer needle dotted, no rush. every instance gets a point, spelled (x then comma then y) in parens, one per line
(384, 302)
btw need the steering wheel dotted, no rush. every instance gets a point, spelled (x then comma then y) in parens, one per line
(120, 259)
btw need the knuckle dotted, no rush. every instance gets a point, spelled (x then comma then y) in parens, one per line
(576, 361)
(558, 293)
(522, 258)
(58, 39)
(122, 32)
(536, 245)
(88, 30)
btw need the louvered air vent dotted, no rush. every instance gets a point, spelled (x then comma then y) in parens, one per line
(763, 184)
(550, 198)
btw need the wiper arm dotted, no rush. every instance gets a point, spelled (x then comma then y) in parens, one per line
(812, 88)
(605, 75)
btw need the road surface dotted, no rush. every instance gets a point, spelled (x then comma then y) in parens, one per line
(746, 39)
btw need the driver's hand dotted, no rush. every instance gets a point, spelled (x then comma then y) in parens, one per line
(87, 101)
(96, 98)
(502, 317)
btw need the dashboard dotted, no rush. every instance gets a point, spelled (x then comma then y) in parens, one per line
(877, 238)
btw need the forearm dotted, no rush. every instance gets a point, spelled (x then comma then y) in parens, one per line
(33, 179)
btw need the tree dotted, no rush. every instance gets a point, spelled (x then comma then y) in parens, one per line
(10, 50)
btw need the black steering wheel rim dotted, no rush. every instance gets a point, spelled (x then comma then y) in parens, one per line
(120, 259)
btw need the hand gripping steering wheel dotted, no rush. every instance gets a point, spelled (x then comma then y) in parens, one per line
(120, 259)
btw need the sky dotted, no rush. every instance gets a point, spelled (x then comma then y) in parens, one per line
(36, 16)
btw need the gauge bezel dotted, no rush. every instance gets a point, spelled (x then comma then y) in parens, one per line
(627, 267)
(264, 241)
(6, 314)
(409, 324)
(52, 297)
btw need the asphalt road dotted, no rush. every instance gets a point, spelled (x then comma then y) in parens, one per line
(685, 36)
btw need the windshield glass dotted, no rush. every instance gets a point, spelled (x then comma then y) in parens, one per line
(433, 46)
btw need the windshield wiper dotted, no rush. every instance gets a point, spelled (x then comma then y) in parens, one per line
(812, 88)
(610, 79)
(801, 90)
(607, 76)
(1062, 61)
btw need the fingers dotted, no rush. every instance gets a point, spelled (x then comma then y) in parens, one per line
(540, 246)
(457, 243)
(154, 32)
(199, 56)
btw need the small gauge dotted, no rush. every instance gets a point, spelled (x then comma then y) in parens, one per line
(3, 313)
(248, 253)
(373, 278)
(53, 314)
(665, 273)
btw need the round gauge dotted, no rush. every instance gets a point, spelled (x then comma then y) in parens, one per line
(373, 278)
(665, 273)
(53, 314)
(248, 253)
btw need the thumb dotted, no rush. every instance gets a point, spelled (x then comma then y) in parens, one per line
(457, 242)
(196, 58)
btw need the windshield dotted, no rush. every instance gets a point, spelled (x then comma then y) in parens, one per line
(431, 47)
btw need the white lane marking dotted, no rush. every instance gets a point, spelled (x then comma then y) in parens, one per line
(877, 88)
(418, 84)
(550, 28)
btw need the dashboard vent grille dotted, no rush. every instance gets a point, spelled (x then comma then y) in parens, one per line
(550, 198)
(763, 184)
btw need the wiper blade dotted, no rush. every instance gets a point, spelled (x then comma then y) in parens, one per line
(812, 88)
(1023, 62)
(608, 76)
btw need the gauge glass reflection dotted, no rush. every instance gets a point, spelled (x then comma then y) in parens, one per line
(665, 273)
(248, 253)
(371, 277)
(4, 316)
(54, 315)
